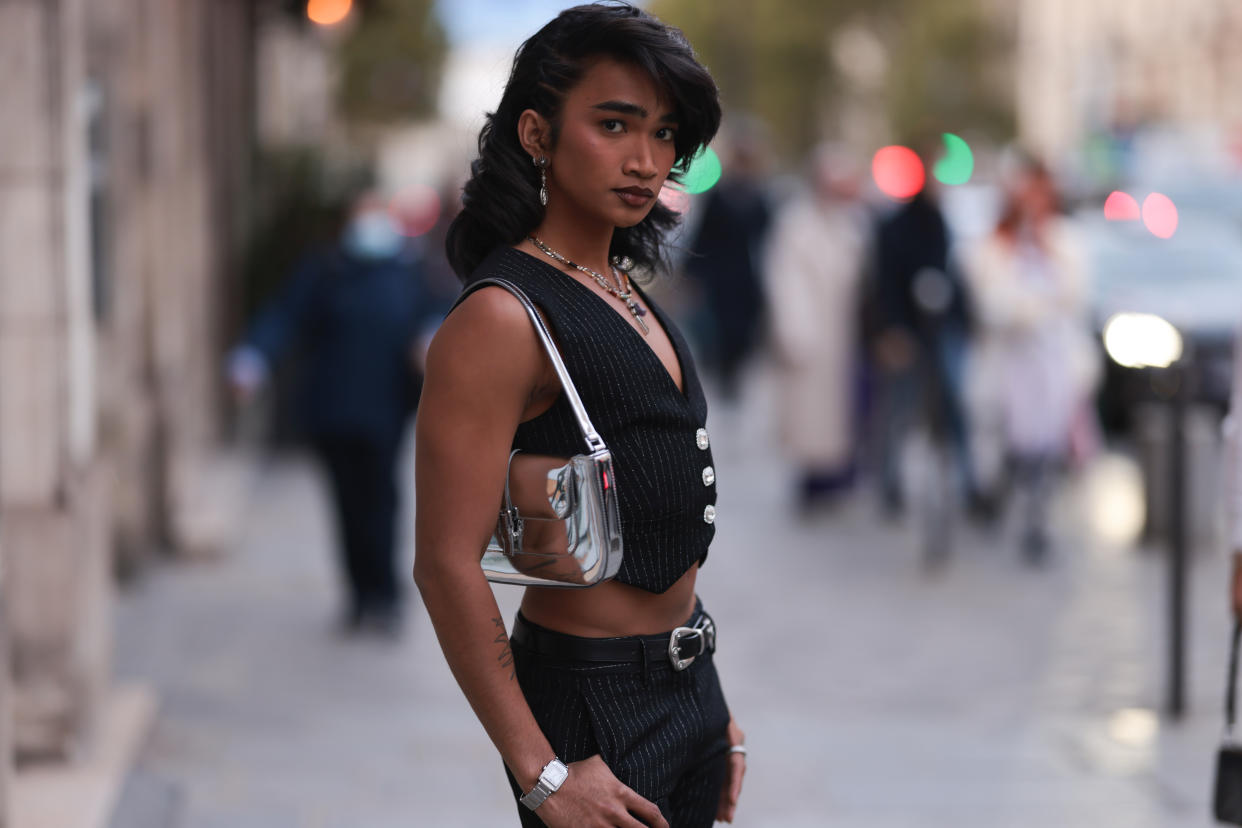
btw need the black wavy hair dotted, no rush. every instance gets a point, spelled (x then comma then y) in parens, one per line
(500, 202)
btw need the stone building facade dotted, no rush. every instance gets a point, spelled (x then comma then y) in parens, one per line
(1086, 65)
(126, 129)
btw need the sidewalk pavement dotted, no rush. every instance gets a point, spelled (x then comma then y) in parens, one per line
(872, 694)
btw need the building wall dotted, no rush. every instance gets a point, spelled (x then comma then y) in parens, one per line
(1085, 65)
(125, 136)
(178, 81)
(52, 507)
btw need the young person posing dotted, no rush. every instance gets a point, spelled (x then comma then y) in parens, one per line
(603, 104)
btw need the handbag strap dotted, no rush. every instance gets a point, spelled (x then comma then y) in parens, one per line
(1231, 693)
(593, 440)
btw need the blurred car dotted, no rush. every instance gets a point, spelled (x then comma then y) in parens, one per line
(1193, 280)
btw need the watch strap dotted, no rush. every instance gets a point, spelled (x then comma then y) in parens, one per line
(550, 780)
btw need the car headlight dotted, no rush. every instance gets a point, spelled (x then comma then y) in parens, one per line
(1142, 340)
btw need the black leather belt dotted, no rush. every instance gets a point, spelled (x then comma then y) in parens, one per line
(678, 647)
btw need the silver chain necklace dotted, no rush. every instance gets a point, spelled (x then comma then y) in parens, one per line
(622, 289)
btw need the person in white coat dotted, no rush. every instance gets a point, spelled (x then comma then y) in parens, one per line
(814, 266)
(1035, 364)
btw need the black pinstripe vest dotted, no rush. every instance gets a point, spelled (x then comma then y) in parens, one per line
(660, 448)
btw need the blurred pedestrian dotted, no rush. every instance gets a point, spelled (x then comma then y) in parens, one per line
(724, 263)
(1036, 361)
(598, 714)
(1233, 476)
(814, 267)
(918, 327)
(356, 312)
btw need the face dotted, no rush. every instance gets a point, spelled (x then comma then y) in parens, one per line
(614, 149)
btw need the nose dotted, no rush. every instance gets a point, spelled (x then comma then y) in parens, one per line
(641, 162)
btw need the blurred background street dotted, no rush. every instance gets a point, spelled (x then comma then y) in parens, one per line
(963, 279)
(872, 693)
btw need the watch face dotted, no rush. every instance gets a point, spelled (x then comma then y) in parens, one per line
(555, 773)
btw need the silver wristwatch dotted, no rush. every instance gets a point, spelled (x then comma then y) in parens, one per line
(551, 778)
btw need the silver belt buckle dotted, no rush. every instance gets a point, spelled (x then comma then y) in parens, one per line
(706, 632)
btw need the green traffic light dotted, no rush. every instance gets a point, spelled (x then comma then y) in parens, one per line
(957, 164)
(704, 172)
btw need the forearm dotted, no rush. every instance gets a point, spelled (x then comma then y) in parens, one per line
(472, 635)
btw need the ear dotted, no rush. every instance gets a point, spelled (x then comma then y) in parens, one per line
(534, 133)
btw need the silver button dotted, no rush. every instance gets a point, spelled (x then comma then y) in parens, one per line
(709, 476)
(700, 439)
(709, 514)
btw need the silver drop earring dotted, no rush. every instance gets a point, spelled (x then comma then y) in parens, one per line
(542, 163)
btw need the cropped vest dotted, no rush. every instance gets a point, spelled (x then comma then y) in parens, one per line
(661, 453)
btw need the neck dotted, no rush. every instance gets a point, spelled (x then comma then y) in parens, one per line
(576, 237)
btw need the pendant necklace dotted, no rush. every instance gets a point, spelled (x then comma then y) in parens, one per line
(621, 290)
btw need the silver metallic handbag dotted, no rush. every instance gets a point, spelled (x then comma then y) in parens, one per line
(559, 526)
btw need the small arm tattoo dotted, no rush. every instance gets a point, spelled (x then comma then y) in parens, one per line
(506, 652)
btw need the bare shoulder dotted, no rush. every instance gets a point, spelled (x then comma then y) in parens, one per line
(485, 363)
(489, 328)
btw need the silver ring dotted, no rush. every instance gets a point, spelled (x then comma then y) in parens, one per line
(738, 749)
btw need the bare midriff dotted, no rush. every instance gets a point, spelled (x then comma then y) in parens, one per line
(611, 609)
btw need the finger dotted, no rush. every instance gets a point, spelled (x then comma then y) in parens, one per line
(737, 770)
(643, 808)
(732, 788)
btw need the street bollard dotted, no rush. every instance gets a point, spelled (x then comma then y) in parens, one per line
(1178, 539)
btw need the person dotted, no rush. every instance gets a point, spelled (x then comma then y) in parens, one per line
(1233, 480)
(918, 327)
(602, 105)
(723, 262)
(814, 327)
(357, 309)
(1036, 360)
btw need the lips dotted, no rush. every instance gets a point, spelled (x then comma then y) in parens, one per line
(635, 196)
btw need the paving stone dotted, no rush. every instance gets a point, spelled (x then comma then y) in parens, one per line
(148, 801)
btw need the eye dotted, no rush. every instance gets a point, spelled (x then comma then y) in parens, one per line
(666, 133)
(612, 125)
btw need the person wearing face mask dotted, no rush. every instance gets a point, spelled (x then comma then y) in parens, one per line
(356, 311)
(1036, 363)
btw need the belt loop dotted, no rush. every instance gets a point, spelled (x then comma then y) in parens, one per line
(642, 643)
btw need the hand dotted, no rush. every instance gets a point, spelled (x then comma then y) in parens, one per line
(593, 798)
(247, 371)
(895, 350)
(243, 395)
(733, 778)
(1237, 585)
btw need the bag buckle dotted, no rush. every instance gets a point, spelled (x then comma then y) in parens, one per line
(704, 632)
(512, 527)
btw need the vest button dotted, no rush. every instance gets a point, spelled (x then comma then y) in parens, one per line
(709, 476)
(701, 440)
(709, 514)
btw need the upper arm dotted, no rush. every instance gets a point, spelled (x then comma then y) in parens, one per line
(482, 368)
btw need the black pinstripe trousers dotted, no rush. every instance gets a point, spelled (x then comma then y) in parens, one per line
(661, 732)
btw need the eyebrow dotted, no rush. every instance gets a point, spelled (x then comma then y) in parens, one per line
(627, 108)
